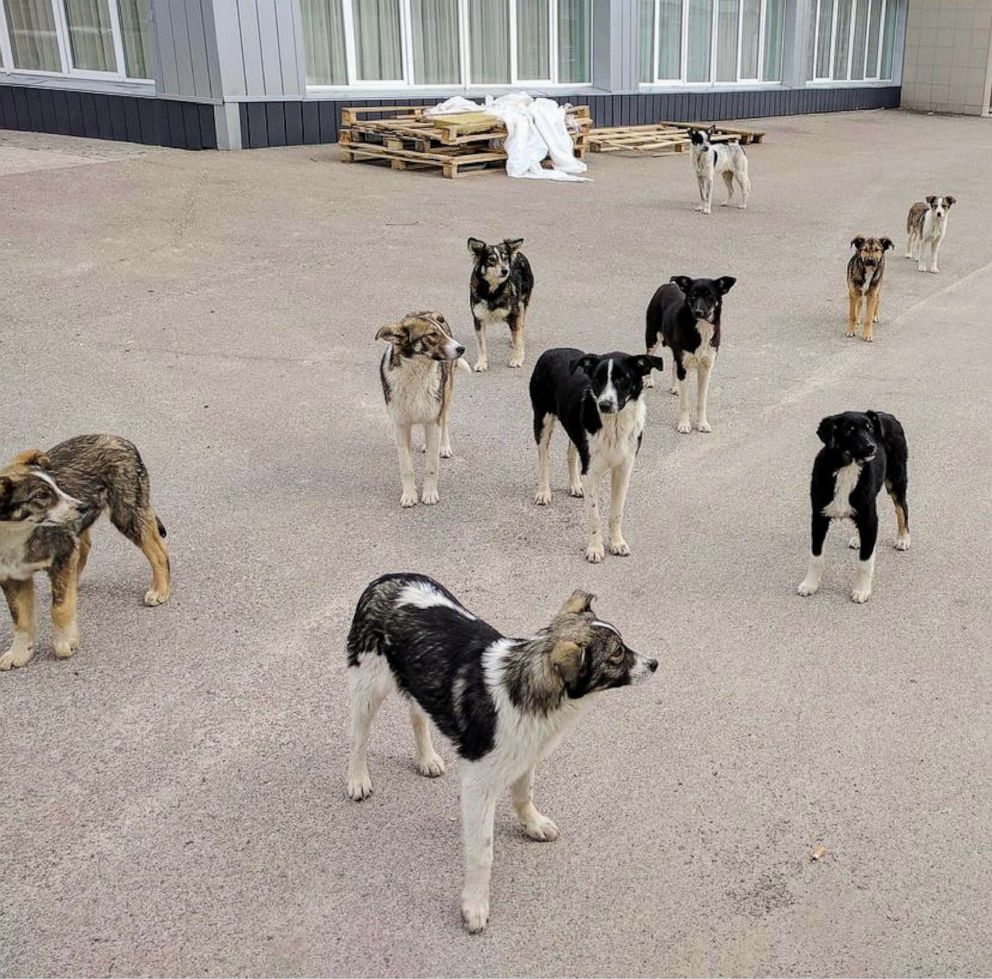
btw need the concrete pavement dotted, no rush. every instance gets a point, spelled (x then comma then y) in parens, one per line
(173, 797)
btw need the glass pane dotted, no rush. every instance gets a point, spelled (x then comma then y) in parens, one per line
(774, 38)
(435, 41)
(573, 40)
(750, 38)
(323, 41)
(726, 40)
(670, 39)
(377, 40)
(33, 42)
(91, 38)
(860, 38)
(843, 46)
(700, 40)
(533, 40)
(888, 38)
(136, 33)
(825, 25)
(645, 40)
(874, 25)
(489, 33)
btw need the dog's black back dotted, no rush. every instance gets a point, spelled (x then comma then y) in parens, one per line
(677, 306)
(501, 276)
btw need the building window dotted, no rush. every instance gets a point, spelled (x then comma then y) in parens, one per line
(852, 40)
(408, 43)
(95, 38)
(705, 42)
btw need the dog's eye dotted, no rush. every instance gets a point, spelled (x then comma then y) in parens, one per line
(42, 496)
(617, 657)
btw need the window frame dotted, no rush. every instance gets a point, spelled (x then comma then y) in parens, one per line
(68, 69)
(873, 79)
(464, 82)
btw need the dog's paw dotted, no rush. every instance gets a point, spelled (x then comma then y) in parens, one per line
(542, 497)
(674, 390)
(649, 382)
(921, 268)
(726, 204)
(576, 491)
(19, 654)
(154, 597)
(541, 828)
(429, 496)
(516, 362)
(684, 426)
(481, 365)
(620, 547)
(851, 332)
(446, 452)
(475, 915)
(359, 786)
(65, 645)
(807, 588)
(867, 339)
(700, 208)
(935, 271)
(409, 498)
(860, 595)
(595, 553)
(704, 426)
(742, 207)
(902, 543)
(854, 543)
(431, 767)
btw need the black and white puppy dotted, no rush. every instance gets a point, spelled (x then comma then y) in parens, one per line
(499, 292)
(926, 226)
(709, 159)
(684, 315)
(862, 452)
(504, 703)
(599, 402)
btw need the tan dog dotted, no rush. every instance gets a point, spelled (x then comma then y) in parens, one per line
(48, 502)
(417, 372)
(864, 283)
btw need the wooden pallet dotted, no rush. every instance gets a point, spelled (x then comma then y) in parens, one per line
(661, 138)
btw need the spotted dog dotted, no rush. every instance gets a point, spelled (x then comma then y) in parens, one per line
(727, 159)
(499, 292)
(48, 503)
(926, 226)
(504, 703)
(862, 452)
(864, 283)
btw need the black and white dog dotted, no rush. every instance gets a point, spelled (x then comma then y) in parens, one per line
(926, 226)
(599, 402)
(709, 159)
(499, 292)
(504, 703)
(862, 451)
(684, 315)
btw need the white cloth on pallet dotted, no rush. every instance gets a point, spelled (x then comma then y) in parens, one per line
(535, 129)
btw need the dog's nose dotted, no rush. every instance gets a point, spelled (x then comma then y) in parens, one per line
(652, 665)
(460, 349)
(606, 406)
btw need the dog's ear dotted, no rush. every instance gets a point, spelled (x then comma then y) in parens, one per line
(645, 363)
(878, 424)
(886, 244)
(725, 283)
(568, 658)
(476, 247)
(684, 282)
(584, 364)
(827, 431)
(513, 245)
(392, 332)
(577, 603)
(950, 200)
(710, 130)
(931, 199)
(31, 457)
(858, 242)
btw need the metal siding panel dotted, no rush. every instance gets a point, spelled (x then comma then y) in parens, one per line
(292, 77)
(208, 127)
(132, 120)
(184, 56)
(328, 115)
(8, 115)
(191, 125)
(275, 120)
(147, 121)
(211, 49)
(294, 123)
(225, 23)
(35, 112)
(104, 123)
(74, 114)
(268, 32)
(21, 118)
(48, 111)
(165, 48)
(257, 133)
(251, 48)
(117, 122)
(91, 126)
(310, 120)
(198, 51)
(176, 124)
(243, 119)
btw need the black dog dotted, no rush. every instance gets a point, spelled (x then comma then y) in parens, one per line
(862, 452)
(684, 315)
(499, 292)
(599, 402)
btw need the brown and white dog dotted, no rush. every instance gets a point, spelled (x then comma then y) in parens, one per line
(864, 283)
(417, 373)
(48, 502)
(926, 226)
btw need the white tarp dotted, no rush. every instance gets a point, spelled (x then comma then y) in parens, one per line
(535, 129)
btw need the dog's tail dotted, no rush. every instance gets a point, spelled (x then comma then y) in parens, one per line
(463, 364)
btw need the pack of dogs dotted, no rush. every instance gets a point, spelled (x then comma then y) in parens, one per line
(504, 703)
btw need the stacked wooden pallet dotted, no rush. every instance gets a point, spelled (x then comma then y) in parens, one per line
(406, 137)
(662, 138)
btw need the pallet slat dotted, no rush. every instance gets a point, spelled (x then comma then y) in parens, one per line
(661, 138)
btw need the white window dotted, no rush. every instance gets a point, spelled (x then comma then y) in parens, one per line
(852, 40)
(92, 38)
(401, 43)
(706, 42)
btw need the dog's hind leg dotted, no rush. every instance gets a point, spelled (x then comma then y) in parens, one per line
(814, 573)
(433, 435)
(20, 599)
(547, 426)
(574, 471)
(144, 529)
(744, 180)
(651, 348)
(64, 578)
(479, 792)
(910, 238)
(867, 534)
(482, 362)
(728, 179)
(517, 338)
(85, 544)
(429, 762)
(682, 389)
(536, 826)
(897, 493)
(368, 685)
(619, 483)
(675, 377)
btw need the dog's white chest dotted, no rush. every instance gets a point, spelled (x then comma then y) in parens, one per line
(617, 439)
(705, 353)
(869, 277)
(12, 559)
(845, 480)
(415, 394)
(484, 314)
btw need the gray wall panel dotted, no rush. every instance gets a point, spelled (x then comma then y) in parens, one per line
(251, 47)
(268, 34)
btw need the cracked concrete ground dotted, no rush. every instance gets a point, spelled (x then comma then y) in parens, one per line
(173, 797)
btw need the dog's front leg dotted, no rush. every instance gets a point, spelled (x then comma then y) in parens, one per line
(20, 599)
(478, 810)
(535, 825)
(854, 303)
(814, 573)
(595, 552)
(64, 579)
(619, 482)
(403, 440)
(867, 534)
(702, 394)
(707, 194)
(517, 339)
(934, 248)
(652, 347)
(870, 316)
(682, 389)
(543, 495)
(482, 363)
(701, 187)
(910, 238)
(433, 435)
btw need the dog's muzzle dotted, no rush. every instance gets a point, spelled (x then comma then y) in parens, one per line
(643, 668)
